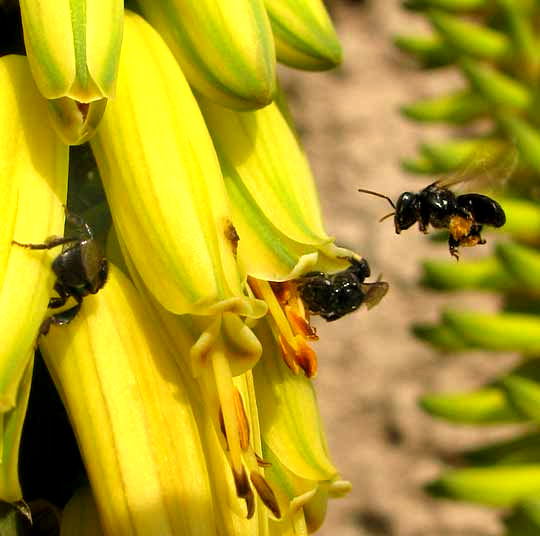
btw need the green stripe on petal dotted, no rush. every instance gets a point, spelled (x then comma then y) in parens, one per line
(304, 35)
(104, 31)
(264, 251)
(225, 47)
(47, 29)
(73, 46)
(273, 198)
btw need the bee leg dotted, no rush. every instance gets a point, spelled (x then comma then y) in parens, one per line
(453, 245)
(61, 319)
(56, 302)
(475, 232)
(51, 242)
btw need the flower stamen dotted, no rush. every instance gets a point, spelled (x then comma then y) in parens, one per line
(289, 323)
(266, 494)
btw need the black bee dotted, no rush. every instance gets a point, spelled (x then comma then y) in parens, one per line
(335, 295)
(80, 269)
(435, 205)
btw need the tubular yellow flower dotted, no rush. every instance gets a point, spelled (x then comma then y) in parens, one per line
(132, 415)
(164, 184)
(273, 197)
(225, 47)
(290, 421)
(293, 441)
(33, 173)
(73, 48)
(304, 35)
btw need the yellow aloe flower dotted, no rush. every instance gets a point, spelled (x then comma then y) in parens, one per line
(164, 184)
(304, 35)
(224, 47)
(132, 416)
(293, 441)
(273, 197)
(33, 174)
(73, 48)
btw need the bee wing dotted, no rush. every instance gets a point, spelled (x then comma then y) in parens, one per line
(374, 292)
(489, 168)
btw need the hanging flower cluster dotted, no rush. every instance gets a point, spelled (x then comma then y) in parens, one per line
(186, 372)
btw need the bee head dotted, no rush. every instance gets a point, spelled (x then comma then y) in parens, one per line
(407, 211)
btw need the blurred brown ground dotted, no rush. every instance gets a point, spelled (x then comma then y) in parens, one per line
(371, 369)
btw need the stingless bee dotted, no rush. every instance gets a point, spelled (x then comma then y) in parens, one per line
(436, 205)
(80, 269)
(335, 295)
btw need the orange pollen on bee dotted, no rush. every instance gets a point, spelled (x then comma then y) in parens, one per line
(289, 323)
(459, 227)
(470, 241)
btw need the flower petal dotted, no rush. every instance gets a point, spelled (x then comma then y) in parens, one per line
(274, 201)
(84, 70)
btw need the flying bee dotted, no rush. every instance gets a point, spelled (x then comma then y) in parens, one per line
(335, 295)
(80, 269)
(463, 215)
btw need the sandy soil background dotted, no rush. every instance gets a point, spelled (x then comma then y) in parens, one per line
(372, 370)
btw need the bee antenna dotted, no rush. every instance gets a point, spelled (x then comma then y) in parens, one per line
(379, 195)
(387, 216)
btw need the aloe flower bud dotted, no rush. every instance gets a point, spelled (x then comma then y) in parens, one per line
(164, 185)
(77, 78)
(304, 35)
(33, 184)
(224, 47)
